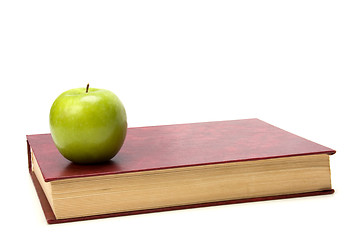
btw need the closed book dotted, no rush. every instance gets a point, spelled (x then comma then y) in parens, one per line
(180, 166)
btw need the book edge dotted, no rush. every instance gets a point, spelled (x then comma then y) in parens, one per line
(51, 219)
(49, 179)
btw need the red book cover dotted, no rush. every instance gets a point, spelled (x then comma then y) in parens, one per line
(172, 146)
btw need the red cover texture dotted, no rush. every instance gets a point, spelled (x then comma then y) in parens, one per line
(181, 145)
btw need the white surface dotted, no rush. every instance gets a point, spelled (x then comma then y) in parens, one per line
(294, 64)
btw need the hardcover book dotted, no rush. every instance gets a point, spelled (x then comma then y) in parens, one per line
(180, 166)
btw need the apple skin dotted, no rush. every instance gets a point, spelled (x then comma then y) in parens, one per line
(88, 126)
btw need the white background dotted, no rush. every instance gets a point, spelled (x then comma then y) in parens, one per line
(294, 64)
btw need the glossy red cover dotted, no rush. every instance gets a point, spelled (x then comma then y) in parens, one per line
(181, 145)
(170, 146)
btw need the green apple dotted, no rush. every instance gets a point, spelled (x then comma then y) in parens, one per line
(88, 125)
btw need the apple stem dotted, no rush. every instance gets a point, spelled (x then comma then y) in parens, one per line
(87, 88)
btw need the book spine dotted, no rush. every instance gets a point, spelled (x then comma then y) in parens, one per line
(29, 156)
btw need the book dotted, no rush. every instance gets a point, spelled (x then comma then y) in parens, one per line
(180, 166)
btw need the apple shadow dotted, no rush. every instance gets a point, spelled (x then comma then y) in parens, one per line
(82, 170)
